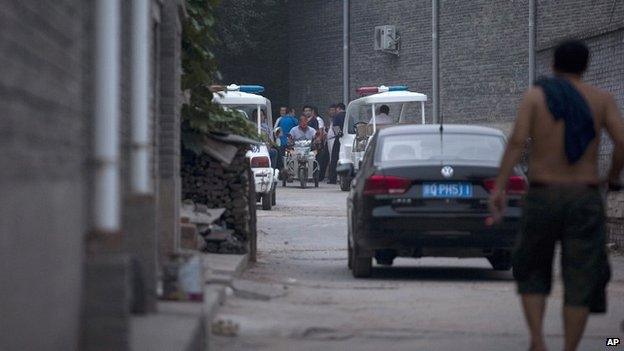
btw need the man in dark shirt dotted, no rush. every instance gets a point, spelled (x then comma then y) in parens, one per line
(337, 124)
(308, 113)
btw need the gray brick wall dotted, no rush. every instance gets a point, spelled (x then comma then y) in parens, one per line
(42, 178)
(260, 55)
(412, 67)
(315, 53)
(483, 59)
(483, 69)
(558, 19)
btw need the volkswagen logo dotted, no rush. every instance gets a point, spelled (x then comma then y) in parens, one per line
(447, 171)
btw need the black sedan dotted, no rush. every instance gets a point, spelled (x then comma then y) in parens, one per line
(422, 190)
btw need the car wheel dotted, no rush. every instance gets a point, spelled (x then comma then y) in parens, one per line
(345, 183)
(266, 201)
(361, 266)
(349, 255)
(500, 261)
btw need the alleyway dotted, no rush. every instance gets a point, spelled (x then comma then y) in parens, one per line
(302, 296)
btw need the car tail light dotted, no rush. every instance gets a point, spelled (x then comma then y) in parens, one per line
(381, 185)
(260, 162)
(516, 185)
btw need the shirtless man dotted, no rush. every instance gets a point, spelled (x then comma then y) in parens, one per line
(563, 203)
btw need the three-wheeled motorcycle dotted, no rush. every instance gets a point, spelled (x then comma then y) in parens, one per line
(300, 164)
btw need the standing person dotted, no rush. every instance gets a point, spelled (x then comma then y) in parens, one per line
(319, 119)
(382, 116)
(337, 124)
(322, 156)
(282, 112)
(308, 113)
(331, 112)
(302, 131)
(285, 124)
(564, 117)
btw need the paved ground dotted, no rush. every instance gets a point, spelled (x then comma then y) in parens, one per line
(301, 296)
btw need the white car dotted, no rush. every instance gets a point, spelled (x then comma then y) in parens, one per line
(245, 99)
(405, 107)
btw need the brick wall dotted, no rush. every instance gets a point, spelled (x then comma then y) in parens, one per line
(483, 69)
(483, 59)
(315, 53)
(576, 18)
(413, 65)
(604, 34)
(258, 54)
(43, 138)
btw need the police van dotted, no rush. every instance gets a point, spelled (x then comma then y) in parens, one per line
(377, 107)
(247, 100)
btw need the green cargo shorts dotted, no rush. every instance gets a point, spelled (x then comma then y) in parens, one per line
(573, 216)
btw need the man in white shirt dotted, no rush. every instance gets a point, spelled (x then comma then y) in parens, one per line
(302, 131)
(382, 116)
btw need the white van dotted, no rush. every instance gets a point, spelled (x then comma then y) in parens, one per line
(246, 100)
(405, 107)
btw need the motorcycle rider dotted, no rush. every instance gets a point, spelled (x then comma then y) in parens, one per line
(302, 131)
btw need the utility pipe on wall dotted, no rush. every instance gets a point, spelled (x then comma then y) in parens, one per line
(531, 42)
(435, 79)
(345, 52)
(140, 67)
(106, 115)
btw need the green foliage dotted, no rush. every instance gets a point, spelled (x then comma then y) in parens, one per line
(199, 115)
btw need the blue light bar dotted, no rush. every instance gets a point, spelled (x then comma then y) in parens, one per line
(252, 89)
(397, 88)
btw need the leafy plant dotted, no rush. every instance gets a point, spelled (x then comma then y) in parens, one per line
(199, 115)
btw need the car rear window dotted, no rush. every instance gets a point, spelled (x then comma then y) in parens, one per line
(449, 146)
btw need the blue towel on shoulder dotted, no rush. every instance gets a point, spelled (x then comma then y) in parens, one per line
(564, 101)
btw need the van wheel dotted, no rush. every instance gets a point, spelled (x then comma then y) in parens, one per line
(266, 201)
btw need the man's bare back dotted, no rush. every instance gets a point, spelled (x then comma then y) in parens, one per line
(563, 203)
(548, 162)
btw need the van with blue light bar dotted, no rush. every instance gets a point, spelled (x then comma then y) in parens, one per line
(376, 108)
(246, 99)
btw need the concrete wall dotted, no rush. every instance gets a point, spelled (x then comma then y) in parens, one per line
(42, 179)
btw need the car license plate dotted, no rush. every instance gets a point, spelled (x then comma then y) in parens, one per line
(447, 190)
